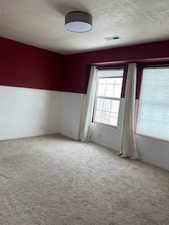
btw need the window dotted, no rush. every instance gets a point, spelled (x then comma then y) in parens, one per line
(153, 115)
(108, 96)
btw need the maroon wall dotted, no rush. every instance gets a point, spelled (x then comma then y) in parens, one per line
(26, 66)
(75, 76)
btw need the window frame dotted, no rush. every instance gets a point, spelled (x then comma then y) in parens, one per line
(112, 98)
(141, 73)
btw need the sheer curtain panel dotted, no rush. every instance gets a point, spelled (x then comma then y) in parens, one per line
(88, 105)
(128, 143)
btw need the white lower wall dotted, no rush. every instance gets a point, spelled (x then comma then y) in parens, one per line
(26, 112)
(151, 150)
(30, 112)
(69, 113)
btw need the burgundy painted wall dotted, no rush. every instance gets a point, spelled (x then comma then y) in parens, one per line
(26, 66)
(75, 75)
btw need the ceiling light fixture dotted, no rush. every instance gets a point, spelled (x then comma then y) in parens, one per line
(77, 21)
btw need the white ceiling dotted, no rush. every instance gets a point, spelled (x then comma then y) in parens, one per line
(41, 23)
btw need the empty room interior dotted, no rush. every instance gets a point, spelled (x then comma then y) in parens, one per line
(84, 112)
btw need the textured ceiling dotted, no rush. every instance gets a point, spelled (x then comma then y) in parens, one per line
(41, 23)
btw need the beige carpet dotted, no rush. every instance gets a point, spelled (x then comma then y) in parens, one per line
(55, 181)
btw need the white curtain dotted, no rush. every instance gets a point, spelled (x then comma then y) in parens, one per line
(88, 105)
(128, 144)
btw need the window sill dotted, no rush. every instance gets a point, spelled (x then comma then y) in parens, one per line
(105, 125)
(154, 138)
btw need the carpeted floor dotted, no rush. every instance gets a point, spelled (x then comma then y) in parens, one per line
(56, 181)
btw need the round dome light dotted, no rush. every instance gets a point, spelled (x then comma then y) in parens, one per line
(79, 22)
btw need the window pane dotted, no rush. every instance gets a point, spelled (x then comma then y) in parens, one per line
(154, 104)
(106, 111)
(110, 87)
(110, 73)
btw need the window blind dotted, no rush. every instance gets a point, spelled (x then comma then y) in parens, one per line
(153, 115)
